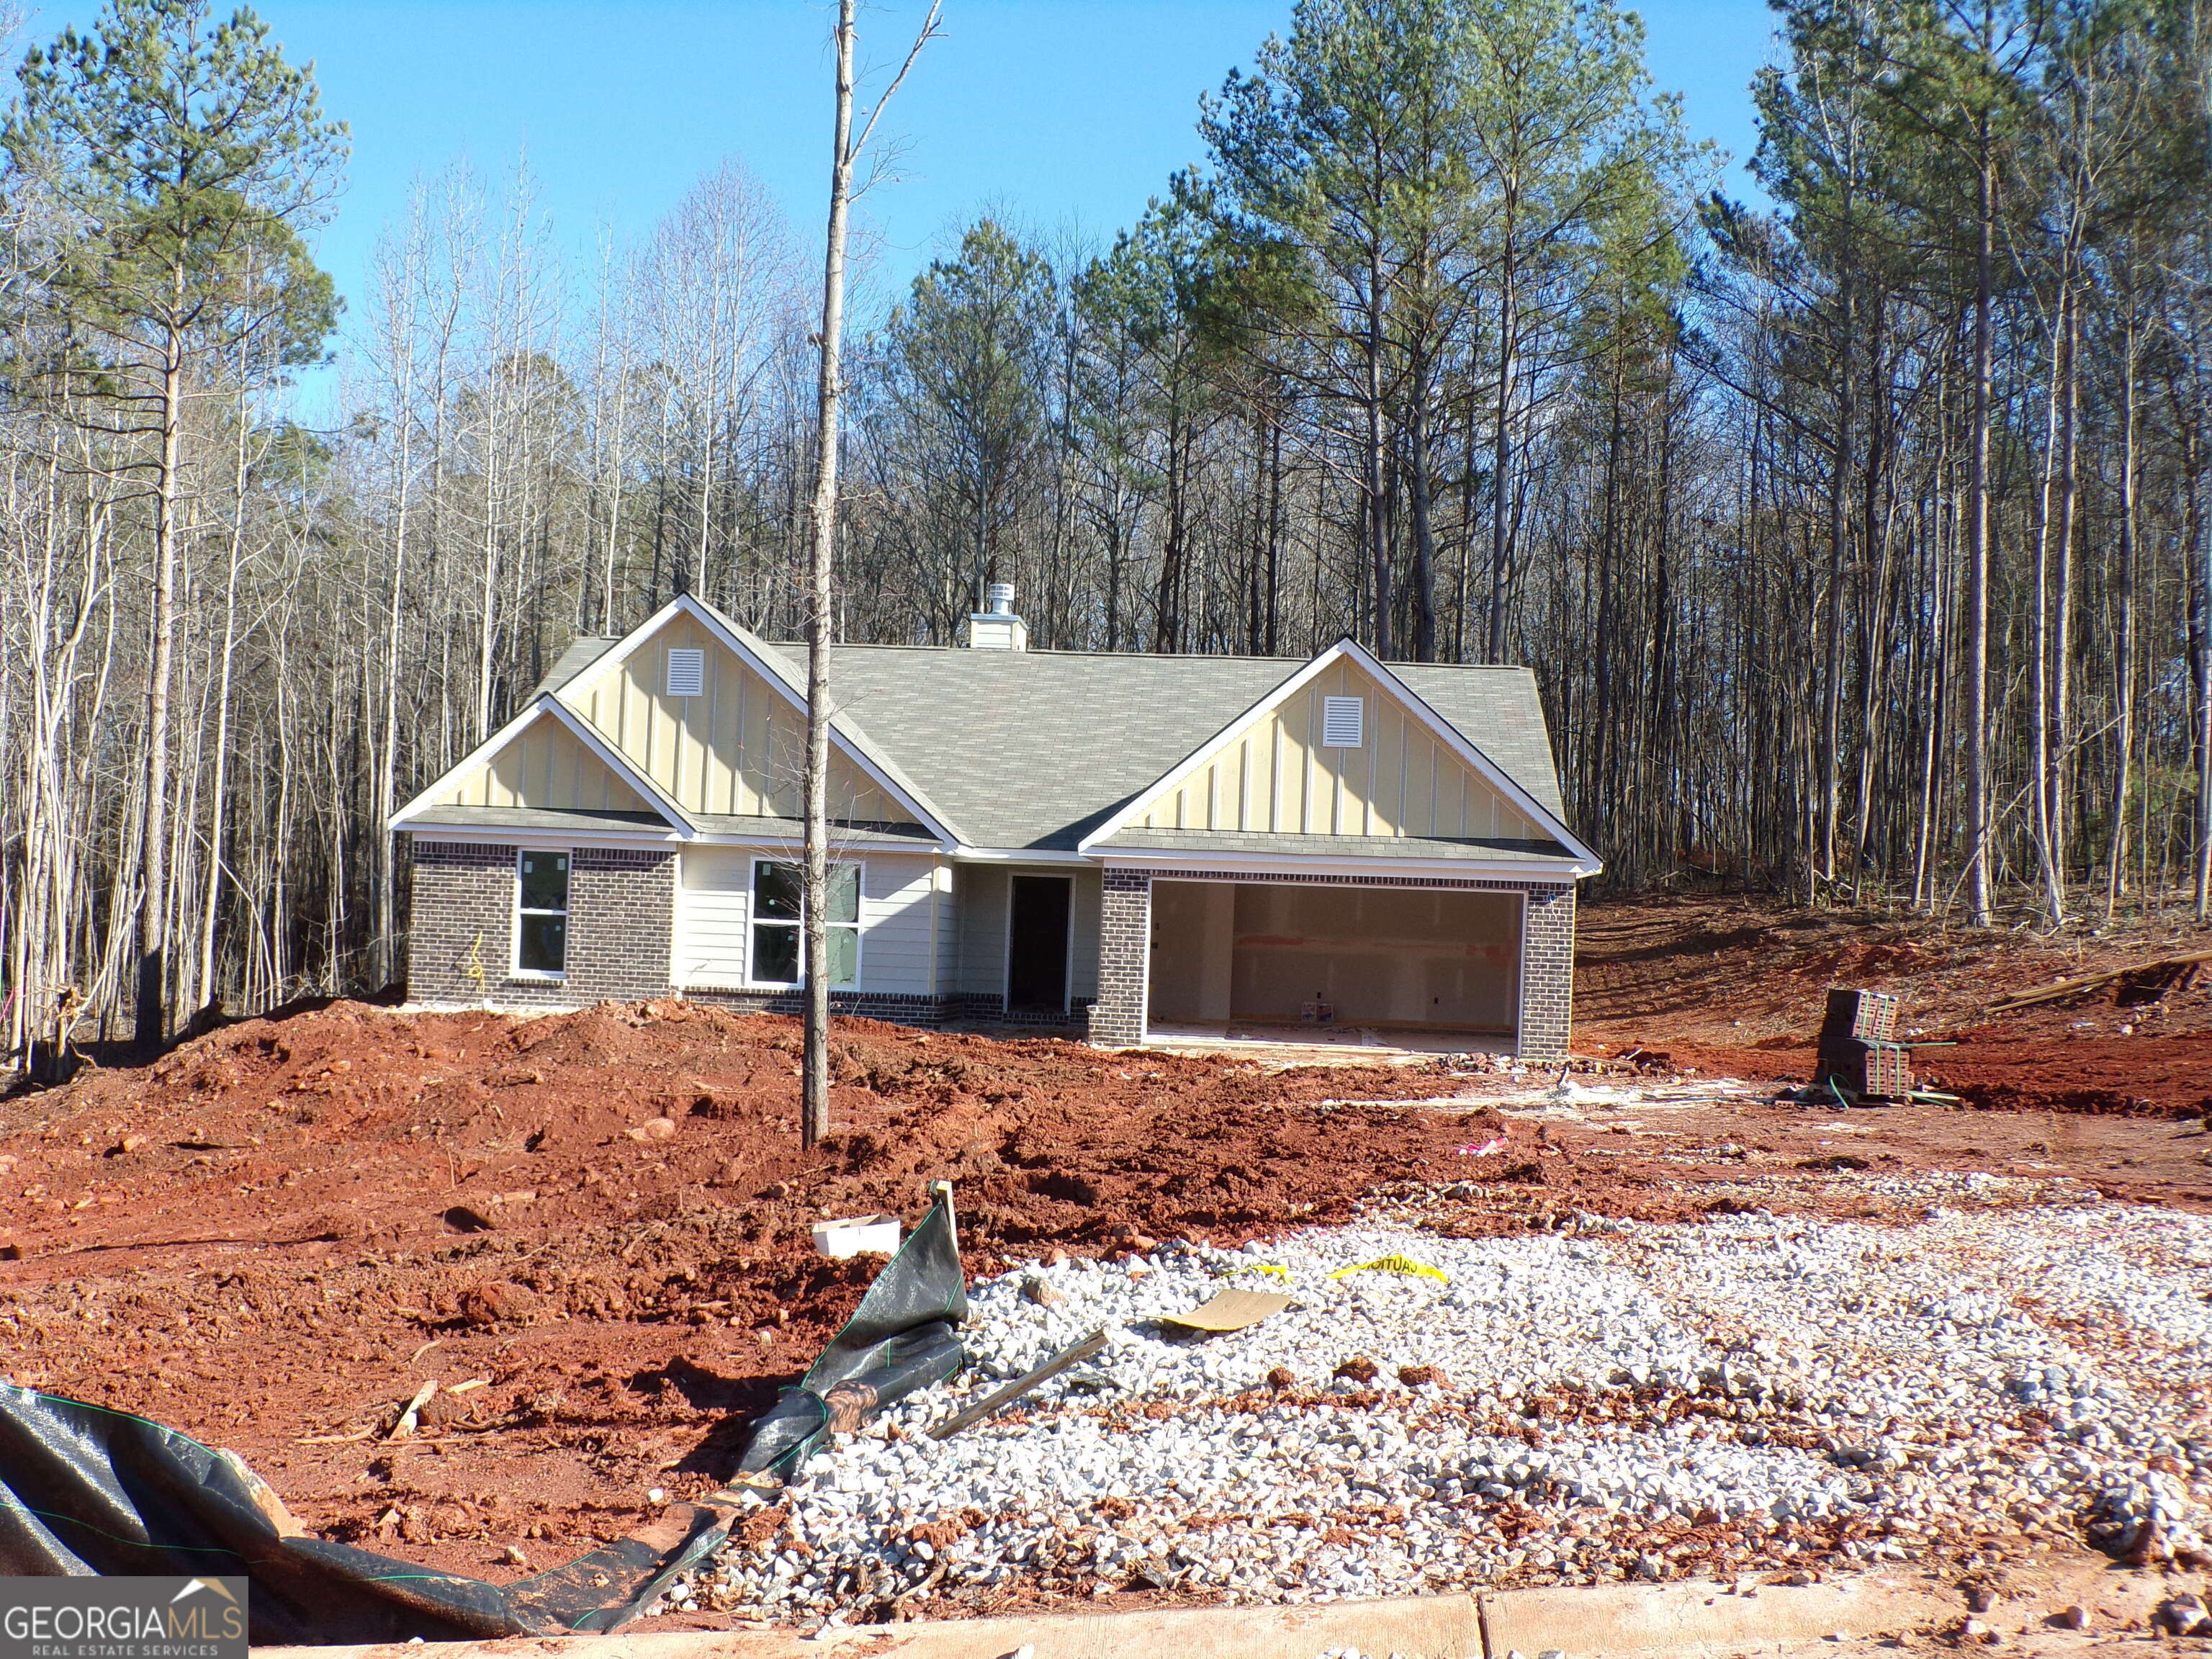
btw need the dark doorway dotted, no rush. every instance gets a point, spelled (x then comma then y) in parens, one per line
(1036, 944)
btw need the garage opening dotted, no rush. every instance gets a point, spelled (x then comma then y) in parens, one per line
(1387, 957)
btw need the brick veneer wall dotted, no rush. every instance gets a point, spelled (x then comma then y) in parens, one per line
(1548, 971)
(1548, 948)
(622, 919)
(1125, 959)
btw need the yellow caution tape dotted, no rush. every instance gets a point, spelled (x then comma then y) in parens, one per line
(1395, 1264)
(1266, 1267)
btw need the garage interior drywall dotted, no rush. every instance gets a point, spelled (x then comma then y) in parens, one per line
(1377, 955)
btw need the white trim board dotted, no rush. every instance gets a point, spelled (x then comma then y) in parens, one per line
(1439, 727)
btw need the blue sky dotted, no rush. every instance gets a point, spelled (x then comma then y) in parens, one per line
(1066, 113)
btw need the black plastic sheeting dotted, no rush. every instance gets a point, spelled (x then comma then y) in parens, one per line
(901, 1338)
(88, 1491)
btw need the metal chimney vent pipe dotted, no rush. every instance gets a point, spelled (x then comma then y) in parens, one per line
(999, 599)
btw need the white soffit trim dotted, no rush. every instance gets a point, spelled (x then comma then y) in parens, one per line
(544, 705)
(1438, 726)
(1019, 855)
(1345, 865)
(738, 641)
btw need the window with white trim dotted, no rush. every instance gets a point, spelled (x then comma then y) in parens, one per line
(779, 914)
(541, 913)
(1343, 722)
(687, 672)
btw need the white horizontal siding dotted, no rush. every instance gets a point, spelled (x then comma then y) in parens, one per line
(895, 904)
(714, 906)
(948, 928)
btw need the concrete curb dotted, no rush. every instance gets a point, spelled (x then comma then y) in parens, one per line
(1692, 1620)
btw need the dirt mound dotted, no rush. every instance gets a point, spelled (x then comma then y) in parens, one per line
(351, 1123)
(1743, 970)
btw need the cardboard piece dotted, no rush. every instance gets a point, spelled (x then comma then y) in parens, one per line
(1230, 1310)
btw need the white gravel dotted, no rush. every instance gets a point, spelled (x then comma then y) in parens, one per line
(1741, 1395)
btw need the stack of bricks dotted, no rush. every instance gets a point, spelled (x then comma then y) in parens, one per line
(1859, 1054)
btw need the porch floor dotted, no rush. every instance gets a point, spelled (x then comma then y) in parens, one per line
(1324, 1044)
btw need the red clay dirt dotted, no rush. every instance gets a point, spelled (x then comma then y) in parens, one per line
(271, 1237)
(275, 1234)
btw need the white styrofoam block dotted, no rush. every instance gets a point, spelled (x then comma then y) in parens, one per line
(859, 1233)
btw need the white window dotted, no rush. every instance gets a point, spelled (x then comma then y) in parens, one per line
(1343, 722)
(541, 914)
(687, 673)
(779, 890)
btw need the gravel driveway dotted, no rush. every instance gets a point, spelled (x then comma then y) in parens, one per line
(1748, 1395)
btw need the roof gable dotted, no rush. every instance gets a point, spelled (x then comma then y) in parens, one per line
(1411, 775)
(736, 748)
(547, 758)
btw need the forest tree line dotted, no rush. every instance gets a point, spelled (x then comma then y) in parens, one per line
(1857, 535)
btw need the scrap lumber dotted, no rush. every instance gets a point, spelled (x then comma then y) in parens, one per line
(2066, 988)
(1072, 1355)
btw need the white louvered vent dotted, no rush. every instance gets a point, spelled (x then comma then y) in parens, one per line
(687, 673)
(1343, 722)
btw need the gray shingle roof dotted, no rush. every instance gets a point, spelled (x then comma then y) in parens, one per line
(1033, 748)
(561, 820)
(583, 651)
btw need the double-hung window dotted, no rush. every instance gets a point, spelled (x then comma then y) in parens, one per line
(779, 912)
(541, 915)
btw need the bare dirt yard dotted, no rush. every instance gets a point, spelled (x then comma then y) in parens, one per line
(271, 1237)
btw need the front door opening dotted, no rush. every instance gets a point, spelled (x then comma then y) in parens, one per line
(1036, 944)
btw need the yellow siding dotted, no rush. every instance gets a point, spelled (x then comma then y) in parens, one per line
(737, 747)
(1276, 778)
(544, 765)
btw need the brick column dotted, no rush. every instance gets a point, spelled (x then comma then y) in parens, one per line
(1547, 972)
(1125, 958)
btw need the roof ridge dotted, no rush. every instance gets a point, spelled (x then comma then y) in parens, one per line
(1143, 656)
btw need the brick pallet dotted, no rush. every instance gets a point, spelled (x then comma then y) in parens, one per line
(1859, 1054)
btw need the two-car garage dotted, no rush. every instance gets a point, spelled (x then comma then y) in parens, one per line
(1282, 953)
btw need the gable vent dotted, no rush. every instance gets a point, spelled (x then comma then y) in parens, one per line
(687, 673)
(1343, 722)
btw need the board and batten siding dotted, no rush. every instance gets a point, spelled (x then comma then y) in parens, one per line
(714, 907)
(737, 747)
(546, 765)
(1276, 777)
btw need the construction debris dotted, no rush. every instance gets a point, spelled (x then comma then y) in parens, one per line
(859, 1236)
(1231, 1310)
(2158, 975)
(1072, 1355)
(95, 1492)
